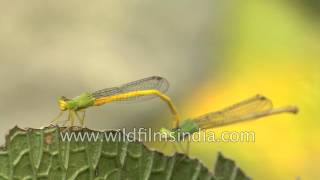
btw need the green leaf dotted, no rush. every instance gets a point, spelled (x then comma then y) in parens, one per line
(42, 154)
(226, 169)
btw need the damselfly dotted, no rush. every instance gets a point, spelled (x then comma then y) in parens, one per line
(143, 89)
(250, 109)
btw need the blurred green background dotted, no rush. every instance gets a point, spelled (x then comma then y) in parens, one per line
(214, 53)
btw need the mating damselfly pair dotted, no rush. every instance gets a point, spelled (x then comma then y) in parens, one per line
(155, 86)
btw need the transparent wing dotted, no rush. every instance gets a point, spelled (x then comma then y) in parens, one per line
(238, 112)
(154, 82)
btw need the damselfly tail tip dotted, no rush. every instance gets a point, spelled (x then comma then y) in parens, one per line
(292, 109)
(295, 110)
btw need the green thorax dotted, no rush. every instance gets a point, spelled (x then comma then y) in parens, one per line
(187, 127)
(80, 102)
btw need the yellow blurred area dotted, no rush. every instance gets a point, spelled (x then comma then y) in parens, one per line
(270, 53)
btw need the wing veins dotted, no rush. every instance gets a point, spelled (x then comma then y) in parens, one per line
(233, 113)
(153, 82)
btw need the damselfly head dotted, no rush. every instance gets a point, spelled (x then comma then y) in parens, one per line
(62, 102)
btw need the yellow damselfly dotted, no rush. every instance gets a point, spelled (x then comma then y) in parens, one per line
(250, 109)
(143, 89)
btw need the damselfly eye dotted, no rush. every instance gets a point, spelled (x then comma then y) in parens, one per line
(63, 98)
